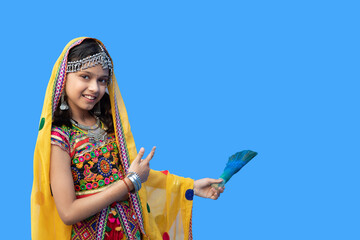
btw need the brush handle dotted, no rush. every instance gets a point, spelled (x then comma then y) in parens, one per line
(218, 185)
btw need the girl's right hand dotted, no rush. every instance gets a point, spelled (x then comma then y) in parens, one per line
(141, 166)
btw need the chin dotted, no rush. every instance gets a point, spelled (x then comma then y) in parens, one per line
(87, 108)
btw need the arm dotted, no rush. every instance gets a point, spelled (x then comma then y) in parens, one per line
(72, 210)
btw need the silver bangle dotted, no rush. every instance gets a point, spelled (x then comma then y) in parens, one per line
(138, 177)
(135, 179)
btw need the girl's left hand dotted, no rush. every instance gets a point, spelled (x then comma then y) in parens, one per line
(203, 188)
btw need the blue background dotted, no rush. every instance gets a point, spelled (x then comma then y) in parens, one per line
(202, 80)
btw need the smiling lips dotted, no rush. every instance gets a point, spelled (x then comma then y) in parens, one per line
(90, 97)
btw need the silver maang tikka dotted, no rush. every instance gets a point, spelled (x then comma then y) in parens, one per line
(90, 61)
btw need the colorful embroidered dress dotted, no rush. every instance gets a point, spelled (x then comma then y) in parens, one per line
(95, 166)
(163, 206)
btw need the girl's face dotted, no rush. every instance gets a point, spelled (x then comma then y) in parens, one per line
(85, 88)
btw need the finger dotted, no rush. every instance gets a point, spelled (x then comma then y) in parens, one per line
(214, 181)
(218, 192)
(140, 154)
(209, 193)
(215, 196)
(150, 156)
(220, 180)
(218, 196)
(212, 193)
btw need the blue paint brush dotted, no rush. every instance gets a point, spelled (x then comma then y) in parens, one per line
(234, 164)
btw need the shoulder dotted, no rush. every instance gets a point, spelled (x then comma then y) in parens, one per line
(60, 137)
(63, 130)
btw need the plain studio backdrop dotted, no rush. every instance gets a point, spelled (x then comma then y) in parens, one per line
(202, 80)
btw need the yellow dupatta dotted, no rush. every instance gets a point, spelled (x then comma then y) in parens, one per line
(163, 206)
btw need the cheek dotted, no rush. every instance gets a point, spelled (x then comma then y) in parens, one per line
(73, 86)
(69, 85)
(102, 91)
(70, 90)
(67, 89)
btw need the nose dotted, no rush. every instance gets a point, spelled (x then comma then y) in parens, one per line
(93, 86)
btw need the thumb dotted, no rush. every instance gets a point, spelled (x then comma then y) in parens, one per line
(220, 180)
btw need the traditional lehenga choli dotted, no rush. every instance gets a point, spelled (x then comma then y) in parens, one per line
(160, 210)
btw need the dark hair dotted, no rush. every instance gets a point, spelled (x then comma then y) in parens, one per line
(87, 48)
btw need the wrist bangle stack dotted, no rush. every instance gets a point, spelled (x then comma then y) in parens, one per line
(136, 181)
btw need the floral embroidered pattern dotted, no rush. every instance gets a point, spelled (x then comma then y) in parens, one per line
(94, 167)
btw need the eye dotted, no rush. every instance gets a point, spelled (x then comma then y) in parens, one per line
(85, 77)
(103, 80)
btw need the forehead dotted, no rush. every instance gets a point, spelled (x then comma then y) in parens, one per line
(97, 70)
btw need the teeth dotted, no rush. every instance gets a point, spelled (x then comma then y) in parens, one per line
(89, 97)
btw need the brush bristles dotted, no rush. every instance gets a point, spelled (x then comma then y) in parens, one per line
(236, 162)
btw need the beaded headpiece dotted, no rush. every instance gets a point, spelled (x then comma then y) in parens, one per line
(90, 61)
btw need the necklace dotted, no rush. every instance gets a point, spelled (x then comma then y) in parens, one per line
(95, 133)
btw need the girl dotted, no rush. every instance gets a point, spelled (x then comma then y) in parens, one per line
(89, 180)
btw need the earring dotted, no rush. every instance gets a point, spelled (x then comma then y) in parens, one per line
(63, 106)
(97, 109)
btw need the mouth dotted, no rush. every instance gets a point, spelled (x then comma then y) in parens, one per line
(89, 97)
